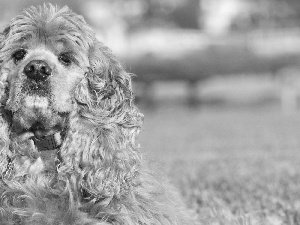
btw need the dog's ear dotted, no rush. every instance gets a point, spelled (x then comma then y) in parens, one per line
(3, 74)
(106, 92)
(4, 34)
(101, 144)
(108, 85)
(4, 141)
(4, 125)
(3, 37)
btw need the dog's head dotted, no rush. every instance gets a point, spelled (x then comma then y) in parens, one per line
(55, 75)
(45, 54)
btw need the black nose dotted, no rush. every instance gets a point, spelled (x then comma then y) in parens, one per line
(37, 70)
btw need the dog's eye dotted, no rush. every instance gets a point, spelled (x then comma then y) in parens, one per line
(19, 55)
(65, 59)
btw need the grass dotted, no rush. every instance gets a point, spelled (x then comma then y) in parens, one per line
(232, 165)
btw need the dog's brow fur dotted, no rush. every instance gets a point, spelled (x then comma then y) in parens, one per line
(101, 178)
(49, 23)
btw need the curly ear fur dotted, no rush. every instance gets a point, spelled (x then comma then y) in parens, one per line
(100, 148)
(4, 142)
(4, 125)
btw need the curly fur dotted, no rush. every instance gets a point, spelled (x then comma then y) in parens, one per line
(101, 178)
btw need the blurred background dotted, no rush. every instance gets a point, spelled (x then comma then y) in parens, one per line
(219, 84)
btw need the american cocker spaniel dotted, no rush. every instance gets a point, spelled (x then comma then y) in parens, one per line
(68, 127)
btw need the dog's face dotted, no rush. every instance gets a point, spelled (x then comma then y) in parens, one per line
(44, 58)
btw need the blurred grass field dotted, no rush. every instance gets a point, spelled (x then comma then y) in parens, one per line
(233, 165)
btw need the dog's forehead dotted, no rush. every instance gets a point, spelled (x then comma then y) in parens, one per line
(53, 34)
(52, 27)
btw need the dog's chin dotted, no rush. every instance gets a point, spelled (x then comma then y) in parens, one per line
(37, 117)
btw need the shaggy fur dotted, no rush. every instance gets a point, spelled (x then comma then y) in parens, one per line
(100, 177)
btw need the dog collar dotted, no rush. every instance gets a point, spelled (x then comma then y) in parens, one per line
(49, 142)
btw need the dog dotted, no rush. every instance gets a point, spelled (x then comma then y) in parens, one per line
(68, 128)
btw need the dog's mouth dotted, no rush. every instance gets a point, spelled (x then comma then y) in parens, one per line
(35, 117)
(39, 131)
(43, 125)
(45, 137)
